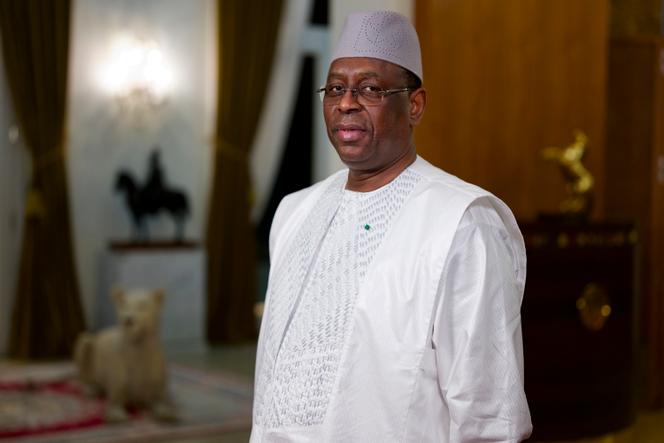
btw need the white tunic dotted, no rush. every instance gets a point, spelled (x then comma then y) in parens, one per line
(393, 315)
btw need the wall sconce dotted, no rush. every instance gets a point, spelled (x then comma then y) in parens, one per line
(137, 75)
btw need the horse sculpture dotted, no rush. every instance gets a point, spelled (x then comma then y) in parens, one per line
(151, 199)
(579, 180)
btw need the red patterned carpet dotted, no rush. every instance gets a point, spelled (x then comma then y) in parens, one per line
(44, 403)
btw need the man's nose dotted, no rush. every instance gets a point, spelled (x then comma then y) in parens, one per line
(349, 101)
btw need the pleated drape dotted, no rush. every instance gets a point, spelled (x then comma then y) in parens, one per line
(247, 36)
(47, 314)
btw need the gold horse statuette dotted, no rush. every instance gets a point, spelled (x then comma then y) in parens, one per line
(579, 180)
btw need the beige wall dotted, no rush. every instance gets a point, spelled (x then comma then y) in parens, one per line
(102, 140)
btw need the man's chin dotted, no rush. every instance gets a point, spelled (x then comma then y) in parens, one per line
(350, 154)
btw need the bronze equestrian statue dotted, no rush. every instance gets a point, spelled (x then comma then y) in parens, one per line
(152, 198)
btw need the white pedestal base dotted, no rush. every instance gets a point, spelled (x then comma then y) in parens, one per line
(180, 272)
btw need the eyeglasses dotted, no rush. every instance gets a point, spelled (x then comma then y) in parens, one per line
(366, 95)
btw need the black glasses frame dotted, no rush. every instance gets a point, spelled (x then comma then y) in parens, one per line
(325, 94)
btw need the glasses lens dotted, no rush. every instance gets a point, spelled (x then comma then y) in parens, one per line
(371, 94)
(334, 91)
(366, 95)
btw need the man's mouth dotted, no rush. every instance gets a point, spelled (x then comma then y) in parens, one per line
(349, 133)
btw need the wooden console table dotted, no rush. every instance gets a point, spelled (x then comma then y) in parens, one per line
(578, 318)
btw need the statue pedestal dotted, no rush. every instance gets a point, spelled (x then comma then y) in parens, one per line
(178, 269)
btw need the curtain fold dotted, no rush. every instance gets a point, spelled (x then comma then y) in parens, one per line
(247, 33)
(47, 314)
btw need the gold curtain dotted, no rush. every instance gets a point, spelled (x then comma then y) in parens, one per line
(247, 35)
(47, 314)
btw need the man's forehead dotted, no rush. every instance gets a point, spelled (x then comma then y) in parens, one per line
(362, 66)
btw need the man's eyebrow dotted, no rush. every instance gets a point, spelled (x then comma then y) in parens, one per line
(362, 75)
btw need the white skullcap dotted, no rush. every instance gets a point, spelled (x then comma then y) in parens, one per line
(385, 35)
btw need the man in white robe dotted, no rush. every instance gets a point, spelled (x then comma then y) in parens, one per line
(393, 304)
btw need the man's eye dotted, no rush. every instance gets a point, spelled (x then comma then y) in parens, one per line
(334, 89)
(371, 88)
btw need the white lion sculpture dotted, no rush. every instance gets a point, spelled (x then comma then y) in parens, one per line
(126, 362)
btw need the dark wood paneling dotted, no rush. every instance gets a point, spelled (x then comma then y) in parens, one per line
(656, 268)
(506, 78)
(635, 148)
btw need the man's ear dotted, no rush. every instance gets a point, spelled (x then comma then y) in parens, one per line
(418, 101)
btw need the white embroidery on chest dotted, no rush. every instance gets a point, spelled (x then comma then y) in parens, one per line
(300, 366)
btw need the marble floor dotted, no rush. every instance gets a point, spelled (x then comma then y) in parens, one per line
(238, 360)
